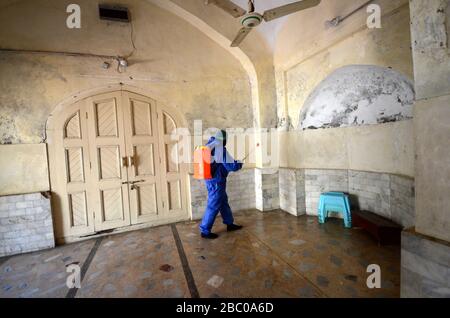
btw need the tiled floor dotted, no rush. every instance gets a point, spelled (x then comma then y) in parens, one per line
(276, 255)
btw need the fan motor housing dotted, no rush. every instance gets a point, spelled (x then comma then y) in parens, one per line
(251, 20)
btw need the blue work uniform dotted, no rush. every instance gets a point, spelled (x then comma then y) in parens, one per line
(221, 165)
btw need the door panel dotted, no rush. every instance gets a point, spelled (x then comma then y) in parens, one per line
(72, 129)
(168, 124)
(108, 154)
(142, 147)
(106, 117)
(172, 174)
(71, 165)
(109, 162)
(144, 156)
(112, 204)
(141, 116)
(146, 200)
(75, 168)
(78, 209)
(76, 190)
(174, 195)
(171, 157)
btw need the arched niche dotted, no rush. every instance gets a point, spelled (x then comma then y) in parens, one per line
(356, 95)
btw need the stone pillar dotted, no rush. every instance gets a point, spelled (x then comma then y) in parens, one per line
(267, 189)
(292, 191)
(431, 54)
(430, 21)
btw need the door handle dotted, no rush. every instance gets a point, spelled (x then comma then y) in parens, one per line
(131, 161)
(124, 162)
(138, 181)
(134, 184)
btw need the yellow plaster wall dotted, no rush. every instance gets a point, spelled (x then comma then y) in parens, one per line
(303, 59)
(23, 169)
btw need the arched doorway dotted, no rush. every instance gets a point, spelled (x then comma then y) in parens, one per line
(112, 165)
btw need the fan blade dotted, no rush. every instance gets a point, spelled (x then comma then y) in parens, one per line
(241, 36)
(228, 6)
(282, 11)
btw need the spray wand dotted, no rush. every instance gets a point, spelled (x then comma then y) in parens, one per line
(250, 152)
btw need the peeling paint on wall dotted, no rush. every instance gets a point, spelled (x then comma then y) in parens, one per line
(386, 47)
(435, 35)
(430, 43)
(18, 116)
(184, 68)
(357, 95)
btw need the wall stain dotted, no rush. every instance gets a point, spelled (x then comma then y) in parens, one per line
(357, 95)
(21, 115)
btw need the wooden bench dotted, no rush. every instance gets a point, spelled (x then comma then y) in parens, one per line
(384, 230)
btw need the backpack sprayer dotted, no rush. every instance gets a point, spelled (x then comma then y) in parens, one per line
(202, 162)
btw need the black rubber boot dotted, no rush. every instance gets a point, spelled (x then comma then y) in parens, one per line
(233, 227)
(210, 236)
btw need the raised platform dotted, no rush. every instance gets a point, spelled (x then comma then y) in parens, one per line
(383, 230)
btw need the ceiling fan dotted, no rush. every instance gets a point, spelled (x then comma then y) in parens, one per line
(251, 19)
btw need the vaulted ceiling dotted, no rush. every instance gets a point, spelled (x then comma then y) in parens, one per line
(268, 30)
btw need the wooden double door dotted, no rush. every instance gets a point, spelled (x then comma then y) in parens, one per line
(115, 165)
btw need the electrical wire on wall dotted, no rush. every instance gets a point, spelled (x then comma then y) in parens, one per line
(132, 40)
(122, 62)
(44, 133)
(339, 19)
(104, 58)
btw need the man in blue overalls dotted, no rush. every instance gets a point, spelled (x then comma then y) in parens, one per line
(221, 165)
